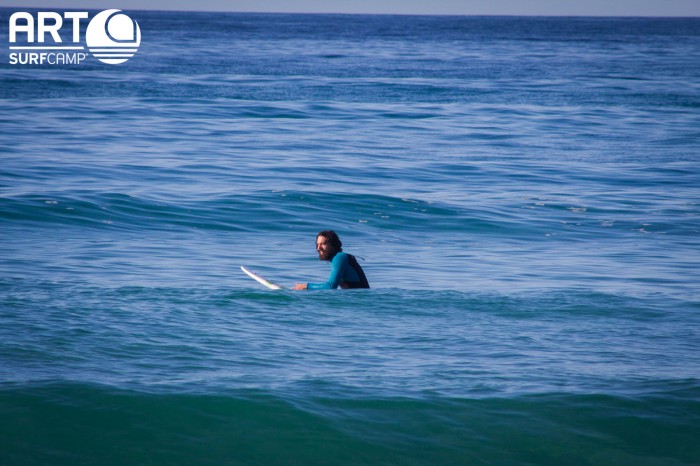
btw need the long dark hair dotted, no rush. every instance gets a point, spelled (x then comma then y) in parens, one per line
(331, 236)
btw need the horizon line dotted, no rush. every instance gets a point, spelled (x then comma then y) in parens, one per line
(319, 13)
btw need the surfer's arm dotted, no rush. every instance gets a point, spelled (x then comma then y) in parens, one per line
(338, 265)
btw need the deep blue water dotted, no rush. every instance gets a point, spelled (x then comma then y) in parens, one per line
(524, 193)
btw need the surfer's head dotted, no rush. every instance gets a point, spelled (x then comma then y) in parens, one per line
(328, 245)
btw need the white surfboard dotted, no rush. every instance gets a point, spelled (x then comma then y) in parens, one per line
(261, 280)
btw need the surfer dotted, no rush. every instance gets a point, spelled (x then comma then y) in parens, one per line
(345, 271)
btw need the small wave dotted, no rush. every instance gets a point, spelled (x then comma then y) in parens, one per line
(63, 422)
(109, 211)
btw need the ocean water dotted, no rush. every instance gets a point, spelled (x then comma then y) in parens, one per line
(524, 194)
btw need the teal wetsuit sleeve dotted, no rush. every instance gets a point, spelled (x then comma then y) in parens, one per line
(338, 266)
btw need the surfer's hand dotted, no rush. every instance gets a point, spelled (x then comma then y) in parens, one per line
(299, 286)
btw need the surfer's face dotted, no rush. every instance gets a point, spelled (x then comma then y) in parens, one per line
(324, 248)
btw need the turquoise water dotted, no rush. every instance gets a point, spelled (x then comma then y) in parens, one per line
(524, 193)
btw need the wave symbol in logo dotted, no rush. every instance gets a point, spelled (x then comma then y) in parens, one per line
(113, 37)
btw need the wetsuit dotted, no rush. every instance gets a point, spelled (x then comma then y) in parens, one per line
(345, 272)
